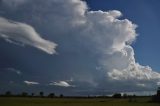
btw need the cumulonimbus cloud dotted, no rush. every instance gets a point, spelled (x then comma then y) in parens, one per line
(106, 36)
(13, 31)
(110, 37)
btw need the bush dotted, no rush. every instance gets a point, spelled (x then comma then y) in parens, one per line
(117, 95)
(51, 95)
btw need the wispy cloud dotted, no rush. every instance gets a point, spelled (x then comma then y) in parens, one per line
(31, 83)
(13, 31)
(14, 70)
(61, 84)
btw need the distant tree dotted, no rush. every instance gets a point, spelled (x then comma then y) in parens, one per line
(132, 98)
(51, 95)
(41, 94)
(125, 95)
(8, 93)
(61, 96)
(117, 95)
(24, 94)
(158, 92)
(32, 94)
(156, 98)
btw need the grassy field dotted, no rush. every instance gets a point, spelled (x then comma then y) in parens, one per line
(73, 102)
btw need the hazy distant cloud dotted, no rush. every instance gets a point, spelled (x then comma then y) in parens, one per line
(31, 83)
(61, 84)
(158, 83)
(14, 70)
(141, 85)
(20, 32)
(140, 93)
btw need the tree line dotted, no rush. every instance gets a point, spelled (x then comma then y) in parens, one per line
(131, 98)
(25, 94)
(52, 95)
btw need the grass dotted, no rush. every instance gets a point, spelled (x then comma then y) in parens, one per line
(15, 101)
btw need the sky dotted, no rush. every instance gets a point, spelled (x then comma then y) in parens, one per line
(76, 47)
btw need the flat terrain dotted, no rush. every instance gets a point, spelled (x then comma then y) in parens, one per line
(15, 101)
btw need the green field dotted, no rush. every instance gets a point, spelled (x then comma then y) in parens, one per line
(6, 101)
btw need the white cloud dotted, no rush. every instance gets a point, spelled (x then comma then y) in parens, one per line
(13, 31)
(31, 83)
(111, 38)
(134, 72)
(61, 84)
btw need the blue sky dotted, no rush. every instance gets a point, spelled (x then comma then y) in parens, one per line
(79, 47)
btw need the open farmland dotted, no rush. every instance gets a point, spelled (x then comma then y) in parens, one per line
(17, 101)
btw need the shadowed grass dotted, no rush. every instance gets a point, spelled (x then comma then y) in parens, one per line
(73, 102)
